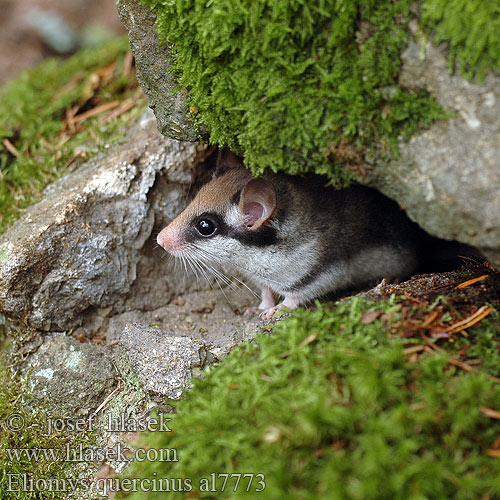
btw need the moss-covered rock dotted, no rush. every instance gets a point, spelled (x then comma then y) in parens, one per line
(153, 63)
(314, 86)
(296, 86)
(348, 89)
(472, 30)
(29, 443)
(447, 177)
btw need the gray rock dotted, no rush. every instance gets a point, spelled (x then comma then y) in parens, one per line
(164, 363)
(87, 250)
(448, 177)
(152, 63)
(53, 29)
(213, 316)
(199, 328)
(73, 376)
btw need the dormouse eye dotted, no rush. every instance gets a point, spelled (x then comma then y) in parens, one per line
(206, 228)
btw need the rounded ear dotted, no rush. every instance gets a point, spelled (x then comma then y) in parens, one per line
(257, 202)
(226, 160)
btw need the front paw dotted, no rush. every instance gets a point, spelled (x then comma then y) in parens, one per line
(252, 311)
(269, 313)
(266, 313)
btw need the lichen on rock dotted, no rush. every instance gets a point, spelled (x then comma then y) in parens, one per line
(73, 377)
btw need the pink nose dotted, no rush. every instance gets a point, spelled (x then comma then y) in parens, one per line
(169, 239)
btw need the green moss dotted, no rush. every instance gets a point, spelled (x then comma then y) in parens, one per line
(329, 407)
(296, 86)
(472, 29)
(33, 108)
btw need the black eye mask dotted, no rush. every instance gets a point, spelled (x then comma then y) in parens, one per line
(207, 225)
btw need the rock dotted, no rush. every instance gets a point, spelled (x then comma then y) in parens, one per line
(183, 338)
(87, 250)
(224, 326)
(73, 376)
(448, 177)
(53, 29)
(164, 363)
(152, 63)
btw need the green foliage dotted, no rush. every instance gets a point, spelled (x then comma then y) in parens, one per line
(329, 407)
(472, 29)
(32, 113)
(288, 83)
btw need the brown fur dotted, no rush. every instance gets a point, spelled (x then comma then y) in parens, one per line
(215, 196)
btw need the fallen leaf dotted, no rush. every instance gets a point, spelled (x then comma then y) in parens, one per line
(369, 317)
(479, 315)
(440, 335)
(95, 111)
(124, 107)
(11, 148)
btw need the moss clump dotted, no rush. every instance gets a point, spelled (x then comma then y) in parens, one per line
(333, 407)
(472, 29)
(296, 86)
(35, 118)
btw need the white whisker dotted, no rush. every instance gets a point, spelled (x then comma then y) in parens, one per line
(193, 269)
(198, 264)
(215, 258)
(227, 278)
(217, 275)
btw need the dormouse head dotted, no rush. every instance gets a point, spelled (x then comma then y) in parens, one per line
(231, 212)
